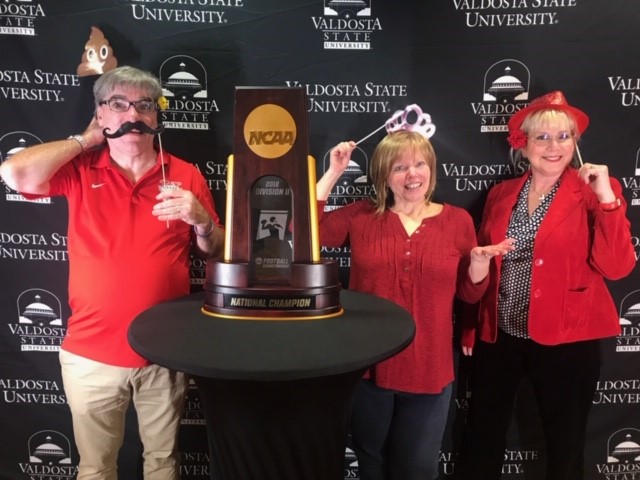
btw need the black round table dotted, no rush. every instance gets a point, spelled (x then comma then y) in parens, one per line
(276, 393)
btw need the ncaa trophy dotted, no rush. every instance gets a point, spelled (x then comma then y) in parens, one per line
(271, 267)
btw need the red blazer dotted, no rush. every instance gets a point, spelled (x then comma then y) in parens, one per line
(577, 246)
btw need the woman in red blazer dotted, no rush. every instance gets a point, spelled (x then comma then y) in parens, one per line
(547, 304)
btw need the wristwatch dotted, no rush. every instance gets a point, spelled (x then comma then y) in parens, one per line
(80, 139)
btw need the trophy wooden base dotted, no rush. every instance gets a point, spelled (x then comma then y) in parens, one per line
(313, 293)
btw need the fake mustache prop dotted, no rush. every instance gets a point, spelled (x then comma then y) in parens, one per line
(126, 127)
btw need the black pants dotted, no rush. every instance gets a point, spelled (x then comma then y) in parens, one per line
(564, 379)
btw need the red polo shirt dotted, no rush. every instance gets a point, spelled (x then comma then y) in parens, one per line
(122, 259)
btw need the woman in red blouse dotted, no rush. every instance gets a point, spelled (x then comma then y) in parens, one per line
(419, 254)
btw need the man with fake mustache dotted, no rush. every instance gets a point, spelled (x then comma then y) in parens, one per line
(129, 248)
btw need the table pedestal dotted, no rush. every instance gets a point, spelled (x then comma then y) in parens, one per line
(287, 430)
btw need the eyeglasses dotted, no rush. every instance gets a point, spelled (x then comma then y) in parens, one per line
(544, 139)
(122, 105)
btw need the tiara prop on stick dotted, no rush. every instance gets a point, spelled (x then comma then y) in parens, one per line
(411, 119)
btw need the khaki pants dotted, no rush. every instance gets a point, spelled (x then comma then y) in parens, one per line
(98, 395)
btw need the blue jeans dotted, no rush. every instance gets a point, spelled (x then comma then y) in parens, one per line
(397, 435)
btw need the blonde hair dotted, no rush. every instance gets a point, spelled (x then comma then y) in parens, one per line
(545, 118)
(385, 155)
(541, 119)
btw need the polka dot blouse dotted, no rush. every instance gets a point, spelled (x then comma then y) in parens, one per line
(515, 278)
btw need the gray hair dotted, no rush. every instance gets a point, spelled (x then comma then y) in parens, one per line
(126, 76)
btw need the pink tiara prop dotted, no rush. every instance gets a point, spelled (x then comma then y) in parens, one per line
(411, 119)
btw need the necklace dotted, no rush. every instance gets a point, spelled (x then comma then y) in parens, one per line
(541, 195)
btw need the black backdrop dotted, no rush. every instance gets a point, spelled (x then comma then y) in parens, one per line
(468, 63)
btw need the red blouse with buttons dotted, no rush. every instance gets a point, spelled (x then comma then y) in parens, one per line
(422, 272)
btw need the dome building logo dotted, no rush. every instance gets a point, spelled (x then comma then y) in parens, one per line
(184, 84)
(623, 455)
(505, 91)
(629, 339)
(626, 449)
(40, 325)
(49, 457)
(38, 313)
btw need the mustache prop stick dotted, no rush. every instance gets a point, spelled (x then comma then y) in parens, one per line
(141, 127)
(127, 127)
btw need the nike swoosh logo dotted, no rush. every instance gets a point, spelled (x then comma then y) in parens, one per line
(97, 185)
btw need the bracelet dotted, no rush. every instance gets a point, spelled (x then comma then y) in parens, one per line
(611, 206)
(80, 139)
(204, 235)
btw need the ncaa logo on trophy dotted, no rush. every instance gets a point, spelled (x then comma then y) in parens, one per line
(271, 268)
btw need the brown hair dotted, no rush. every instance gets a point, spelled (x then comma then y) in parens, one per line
(386, 154)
